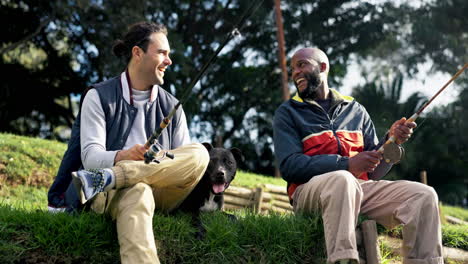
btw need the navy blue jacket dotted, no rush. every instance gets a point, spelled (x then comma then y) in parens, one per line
(119, 119)
(309, 141)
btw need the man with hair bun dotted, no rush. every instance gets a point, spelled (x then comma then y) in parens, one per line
(325, 144)
(116, 117)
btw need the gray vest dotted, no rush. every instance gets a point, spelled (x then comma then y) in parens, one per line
(119, 119)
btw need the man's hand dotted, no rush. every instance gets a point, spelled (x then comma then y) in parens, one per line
(401, 130)
(134, 153)
(365, 161)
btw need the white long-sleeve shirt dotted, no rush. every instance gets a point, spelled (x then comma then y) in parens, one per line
(93, 126)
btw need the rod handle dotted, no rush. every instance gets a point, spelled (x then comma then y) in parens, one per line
(392, 139)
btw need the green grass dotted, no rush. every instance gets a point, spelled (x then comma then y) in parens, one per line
(24, 197)
(29, 161)
(91, 238)
(26, 231)
(43, 237)
(28, 234)
(388, 256)
(455, 236)
(251, 180)
(34, 161)
(455, 211)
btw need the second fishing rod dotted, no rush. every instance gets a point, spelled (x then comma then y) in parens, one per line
(390, 150)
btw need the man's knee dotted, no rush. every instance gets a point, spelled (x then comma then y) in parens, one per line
(340, 186)
(343, 178)
(198, 158)
(140, 196)
(426, 193)
(198, 163)
(201, 157)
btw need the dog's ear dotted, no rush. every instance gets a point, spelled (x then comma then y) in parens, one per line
(237, 153)
(208, 146)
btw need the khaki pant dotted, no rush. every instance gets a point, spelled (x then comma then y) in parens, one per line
(340, 198)
(142, 188)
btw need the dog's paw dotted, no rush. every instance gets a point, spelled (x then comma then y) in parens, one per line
(231, 217)
(201, 233)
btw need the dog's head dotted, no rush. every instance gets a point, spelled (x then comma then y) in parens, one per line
(222, 167)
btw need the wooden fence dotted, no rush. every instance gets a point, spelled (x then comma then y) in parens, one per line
(263, 199)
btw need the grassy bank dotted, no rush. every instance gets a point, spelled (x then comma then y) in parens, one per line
(90, 238)
(28, 161)
(28, 234)
(34, 162)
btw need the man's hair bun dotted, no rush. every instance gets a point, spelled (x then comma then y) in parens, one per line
(120, 49)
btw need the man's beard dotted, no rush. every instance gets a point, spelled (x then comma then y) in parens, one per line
(313, 83)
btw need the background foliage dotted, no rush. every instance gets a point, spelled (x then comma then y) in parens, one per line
(60, 47)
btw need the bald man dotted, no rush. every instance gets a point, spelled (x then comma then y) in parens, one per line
(325, 145)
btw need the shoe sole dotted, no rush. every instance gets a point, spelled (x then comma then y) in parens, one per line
(78, 187)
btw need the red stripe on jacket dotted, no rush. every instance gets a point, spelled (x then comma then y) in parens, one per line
(352, 143)
(320, 143)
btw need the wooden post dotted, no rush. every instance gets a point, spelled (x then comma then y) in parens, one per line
(218, 141)
(423, 177)
(360, 246)
(281, 50)
(442, 217)
(258, 199)
(281, 60)
(371, 242)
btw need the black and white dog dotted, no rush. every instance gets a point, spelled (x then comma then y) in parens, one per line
(207, 196)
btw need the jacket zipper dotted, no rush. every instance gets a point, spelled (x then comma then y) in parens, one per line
(338, 142)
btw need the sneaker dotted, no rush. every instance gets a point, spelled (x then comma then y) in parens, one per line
(54, 210)
(347, 261)
(89, 183)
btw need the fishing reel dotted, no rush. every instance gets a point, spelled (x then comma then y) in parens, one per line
(156, 153)
(393, 153)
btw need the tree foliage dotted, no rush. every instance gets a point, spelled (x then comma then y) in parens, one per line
(440, 133)
(58, 48)
(235, 100)
(434, 33)
(439, 30)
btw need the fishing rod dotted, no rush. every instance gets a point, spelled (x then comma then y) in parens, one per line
(390, 149)
(152, 144)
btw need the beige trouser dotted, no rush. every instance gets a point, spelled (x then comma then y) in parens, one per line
(340, 198)
(142, 188)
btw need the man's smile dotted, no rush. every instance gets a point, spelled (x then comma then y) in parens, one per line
(298, 81)
(301, 83)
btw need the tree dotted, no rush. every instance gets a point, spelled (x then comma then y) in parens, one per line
(434, 33)
(67, 35)
(439, 132)
(30, 87)
(440, 31)
(439, 147)
(234, 101)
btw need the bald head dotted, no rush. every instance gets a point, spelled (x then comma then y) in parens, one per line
(310, 69)
(313, 54)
